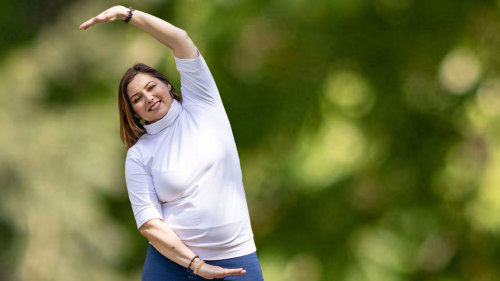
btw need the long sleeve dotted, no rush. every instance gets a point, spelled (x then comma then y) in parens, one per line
(197, 83)
(141, 190)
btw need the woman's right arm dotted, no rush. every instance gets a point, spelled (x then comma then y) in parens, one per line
(166, 241)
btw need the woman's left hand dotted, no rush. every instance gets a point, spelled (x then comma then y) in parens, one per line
(111, 14)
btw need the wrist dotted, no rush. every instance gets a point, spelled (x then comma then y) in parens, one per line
(197, 270)
(123, 13)
(195, 264)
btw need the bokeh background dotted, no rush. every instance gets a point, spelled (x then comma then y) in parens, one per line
(367, 132)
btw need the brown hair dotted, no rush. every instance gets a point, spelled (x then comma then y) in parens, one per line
(131, 129)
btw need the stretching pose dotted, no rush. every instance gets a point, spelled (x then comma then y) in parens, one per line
(182, 168)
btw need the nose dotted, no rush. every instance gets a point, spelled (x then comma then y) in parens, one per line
(149, 98)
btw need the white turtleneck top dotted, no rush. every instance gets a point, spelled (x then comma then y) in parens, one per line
(186, 171)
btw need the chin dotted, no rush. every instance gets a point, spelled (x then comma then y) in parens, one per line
(162, 110)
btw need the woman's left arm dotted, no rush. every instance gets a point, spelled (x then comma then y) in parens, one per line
(167, 34)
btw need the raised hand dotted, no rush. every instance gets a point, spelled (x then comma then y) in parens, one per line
(208, 271)
(111, 14)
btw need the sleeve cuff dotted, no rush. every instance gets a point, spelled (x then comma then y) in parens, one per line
(149, 215)
(190, 65)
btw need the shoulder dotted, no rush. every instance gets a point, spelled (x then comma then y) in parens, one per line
(136, 150)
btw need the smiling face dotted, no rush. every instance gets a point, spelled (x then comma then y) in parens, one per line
(149, 97)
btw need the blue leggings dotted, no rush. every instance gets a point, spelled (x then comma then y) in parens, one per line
(158, 267)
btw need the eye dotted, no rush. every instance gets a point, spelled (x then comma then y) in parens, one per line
(137, 99)
(151, 87)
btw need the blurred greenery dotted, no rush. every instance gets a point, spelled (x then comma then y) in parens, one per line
(366, 131)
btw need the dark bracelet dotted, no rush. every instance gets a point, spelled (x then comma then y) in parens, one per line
(189, 267)
(129, 15)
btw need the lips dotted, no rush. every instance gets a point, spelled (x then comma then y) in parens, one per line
(155, 106)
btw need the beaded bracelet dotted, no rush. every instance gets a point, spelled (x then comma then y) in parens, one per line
(189, 267)
(129, 15)
(198, 268)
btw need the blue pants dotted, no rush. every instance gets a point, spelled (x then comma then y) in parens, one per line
(158, 267)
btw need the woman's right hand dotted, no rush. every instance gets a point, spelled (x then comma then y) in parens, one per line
(208, 271)
(111, 14)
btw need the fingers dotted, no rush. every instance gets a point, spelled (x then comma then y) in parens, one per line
(93, 21)
(88, 23)
(237, 271)
(211, 271)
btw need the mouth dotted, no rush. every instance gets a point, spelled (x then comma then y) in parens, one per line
(155, 106)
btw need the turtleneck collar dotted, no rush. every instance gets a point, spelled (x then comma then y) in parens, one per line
(166, 121)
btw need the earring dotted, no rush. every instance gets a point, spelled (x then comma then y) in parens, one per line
(141, 121)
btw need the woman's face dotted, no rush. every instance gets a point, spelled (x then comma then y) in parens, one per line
(149, 97)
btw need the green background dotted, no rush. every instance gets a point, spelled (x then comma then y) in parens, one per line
(367, 132)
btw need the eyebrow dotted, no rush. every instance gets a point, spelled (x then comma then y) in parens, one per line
(144, 88)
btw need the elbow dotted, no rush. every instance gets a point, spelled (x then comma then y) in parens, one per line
(182, 38)
(143, 230)
(149, 227)
(182, 34)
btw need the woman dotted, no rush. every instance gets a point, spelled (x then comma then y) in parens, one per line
(182, 168)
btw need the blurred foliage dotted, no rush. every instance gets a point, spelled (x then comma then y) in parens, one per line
(365, 129)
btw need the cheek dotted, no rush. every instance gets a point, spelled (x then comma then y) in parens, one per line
(161, 92)
(137, 107)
